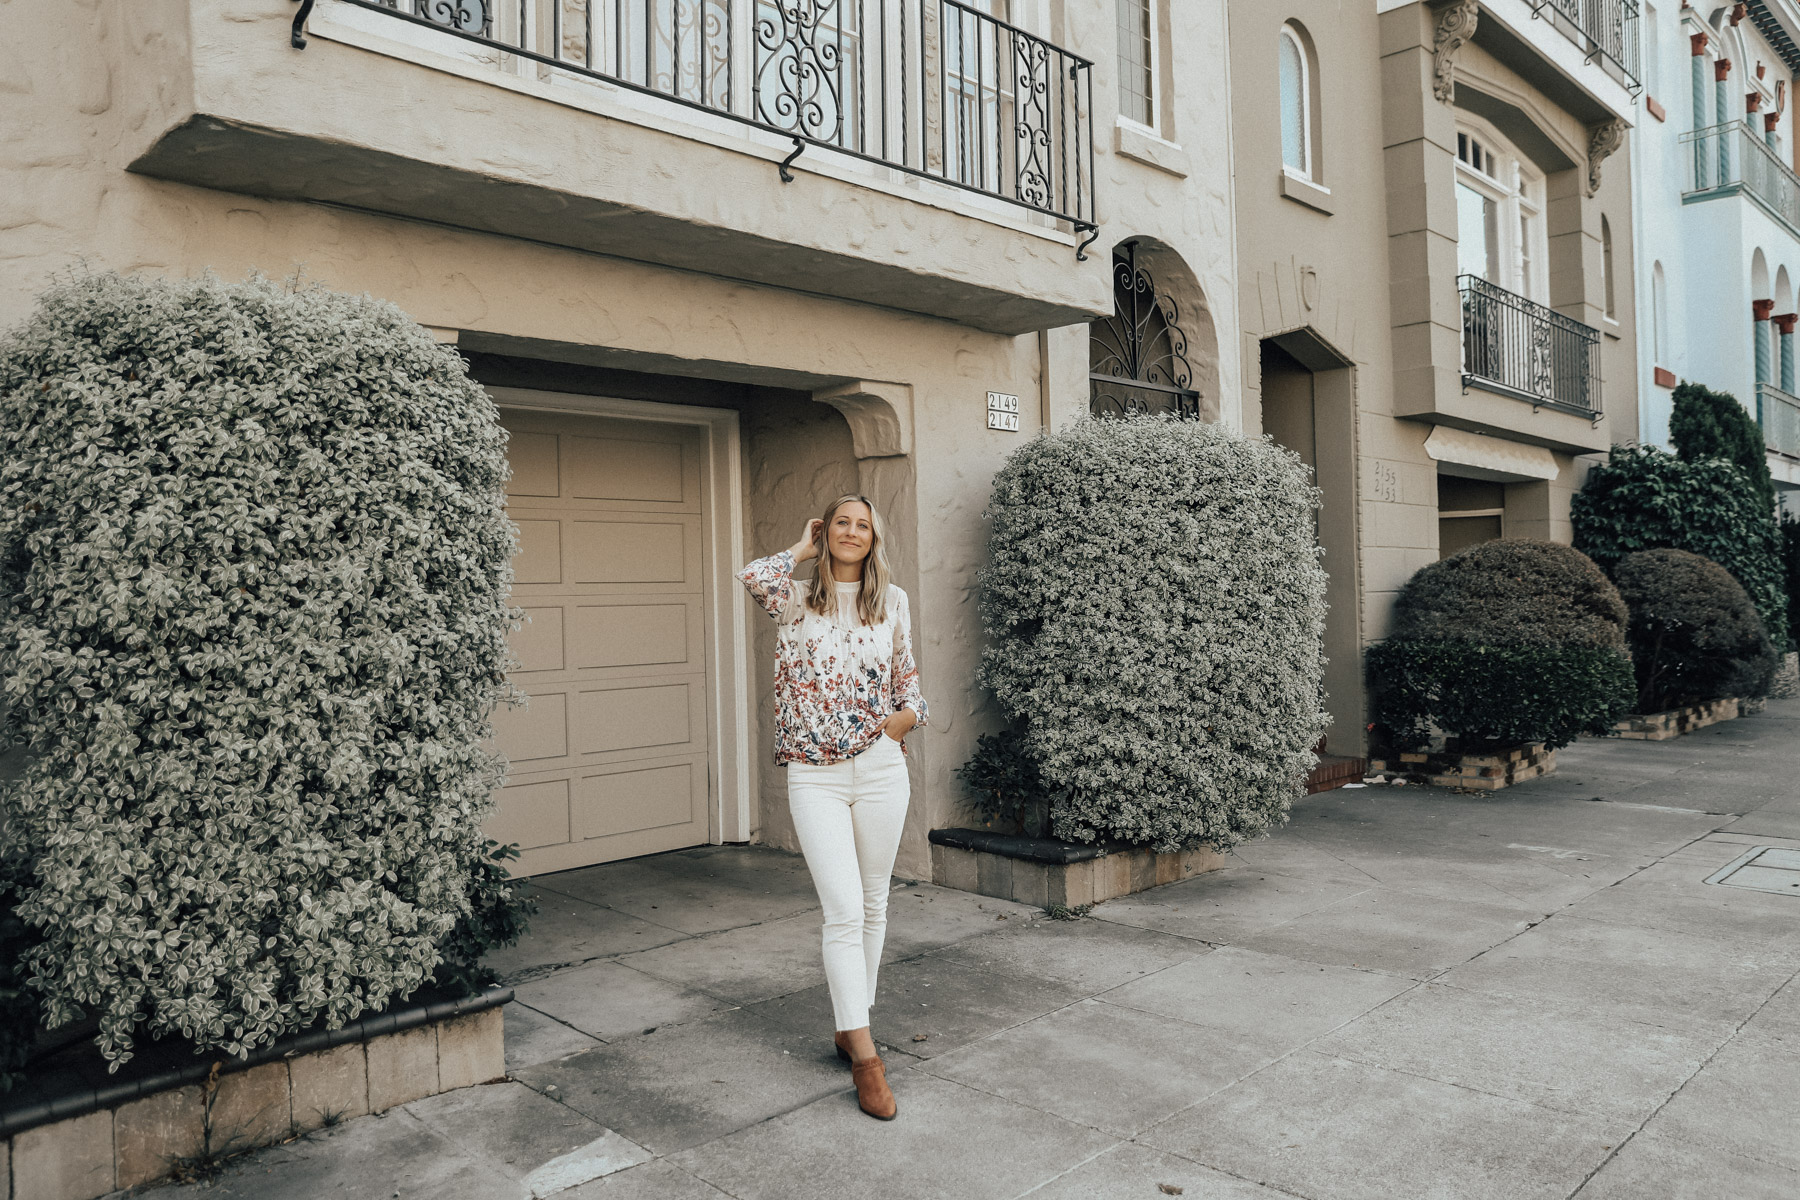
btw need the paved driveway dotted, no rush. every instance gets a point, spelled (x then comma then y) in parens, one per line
(1406, 992)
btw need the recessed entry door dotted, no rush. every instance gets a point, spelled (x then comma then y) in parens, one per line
(610, 758)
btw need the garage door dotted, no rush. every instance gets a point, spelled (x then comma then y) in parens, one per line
(609, 759)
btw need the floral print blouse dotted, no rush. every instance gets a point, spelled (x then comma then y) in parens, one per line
(836, 680)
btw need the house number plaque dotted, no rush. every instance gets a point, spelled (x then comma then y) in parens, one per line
(1003, 412)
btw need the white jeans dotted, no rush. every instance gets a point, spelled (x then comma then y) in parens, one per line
(847, 816)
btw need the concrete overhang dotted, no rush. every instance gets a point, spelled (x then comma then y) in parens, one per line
(1476, 411)
(384, 126)
(1523, 35)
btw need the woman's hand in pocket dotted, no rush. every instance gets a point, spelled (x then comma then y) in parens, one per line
(900, 724)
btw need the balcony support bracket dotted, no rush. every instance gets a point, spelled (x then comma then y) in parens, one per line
(298, 36)
(1093, 235)
(787, 176)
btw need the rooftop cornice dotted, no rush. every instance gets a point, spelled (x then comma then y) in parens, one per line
(1779, 23)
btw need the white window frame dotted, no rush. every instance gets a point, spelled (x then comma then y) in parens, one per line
(1308, 170)
(1518, 189)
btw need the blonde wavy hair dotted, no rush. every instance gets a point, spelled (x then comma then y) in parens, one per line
(871, 600)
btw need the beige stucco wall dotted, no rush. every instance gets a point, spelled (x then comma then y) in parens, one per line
(1302, 269)
(1522, 98)
(90, 93)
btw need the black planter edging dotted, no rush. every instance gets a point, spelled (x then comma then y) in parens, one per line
(79, 1088)
(1017, 845)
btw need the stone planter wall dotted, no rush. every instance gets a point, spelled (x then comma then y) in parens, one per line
(1660, 727)
(79, 1143)
(1043, 872)
(1453, 768)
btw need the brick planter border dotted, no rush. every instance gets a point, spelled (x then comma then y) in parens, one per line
(1452, 768)
(88, 1142)
(1043, 872)
(1672, 723)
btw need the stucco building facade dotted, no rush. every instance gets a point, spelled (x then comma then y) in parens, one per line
(716, 271)
(1718, 209)
(1434, 231)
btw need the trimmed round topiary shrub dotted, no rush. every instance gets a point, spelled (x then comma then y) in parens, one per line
(1642, 498)
(1156, 611)
(1695, 635)
(1506, 643)
(254, 565)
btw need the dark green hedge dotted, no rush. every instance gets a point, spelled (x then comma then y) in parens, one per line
(1512, 591)
(1510, 641)
(1707, 424)
(1495, 695)
(1694, 634)
(1643, 498)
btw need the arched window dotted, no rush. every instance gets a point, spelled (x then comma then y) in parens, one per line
(1138, 357)
(1606, 267)
(1500, 235)
(1296, 83)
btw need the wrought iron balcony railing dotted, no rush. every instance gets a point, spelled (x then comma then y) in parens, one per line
(1606, 29)
(1729, 159)
(1778, 413)
(934, 88)
(1519, 348)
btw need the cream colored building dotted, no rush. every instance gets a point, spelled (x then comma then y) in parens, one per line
(698, 336)
(1434, 231)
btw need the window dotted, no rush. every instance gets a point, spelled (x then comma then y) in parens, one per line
(1499, 215)
(974, 62)
(1606, 267)
(1137, 62)
(1470, 511)
(1296, 81)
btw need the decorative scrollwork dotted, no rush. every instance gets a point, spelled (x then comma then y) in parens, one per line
(1031, 124)
(465, 16)
(1137, 358)
(798, 71)
(1603, 139)
(1455, 25)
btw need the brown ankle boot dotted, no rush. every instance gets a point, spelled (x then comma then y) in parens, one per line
(873, 1095)
(837, 1039)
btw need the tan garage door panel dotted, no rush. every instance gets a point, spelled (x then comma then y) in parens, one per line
(641, 799)
(532, 814)
(610, 757)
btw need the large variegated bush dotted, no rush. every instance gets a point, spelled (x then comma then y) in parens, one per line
(253, 575)
(1156, 611)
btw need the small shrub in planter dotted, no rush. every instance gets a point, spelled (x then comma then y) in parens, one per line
(1642, 498)
(254, 564)
(1694, 634)
(1007, 785)
(1506, 643)
(1156, 612)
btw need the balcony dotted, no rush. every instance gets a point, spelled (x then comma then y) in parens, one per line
(1581, 54)
(1731, 160)
(916, 154)
(1517, 347)
(1778, 413)
(1605, 30)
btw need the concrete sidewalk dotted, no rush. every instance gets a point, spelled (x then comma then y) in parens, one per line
(1406, 992)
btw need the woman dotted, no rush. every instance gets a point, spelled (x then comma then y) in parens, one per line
(846, 696)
